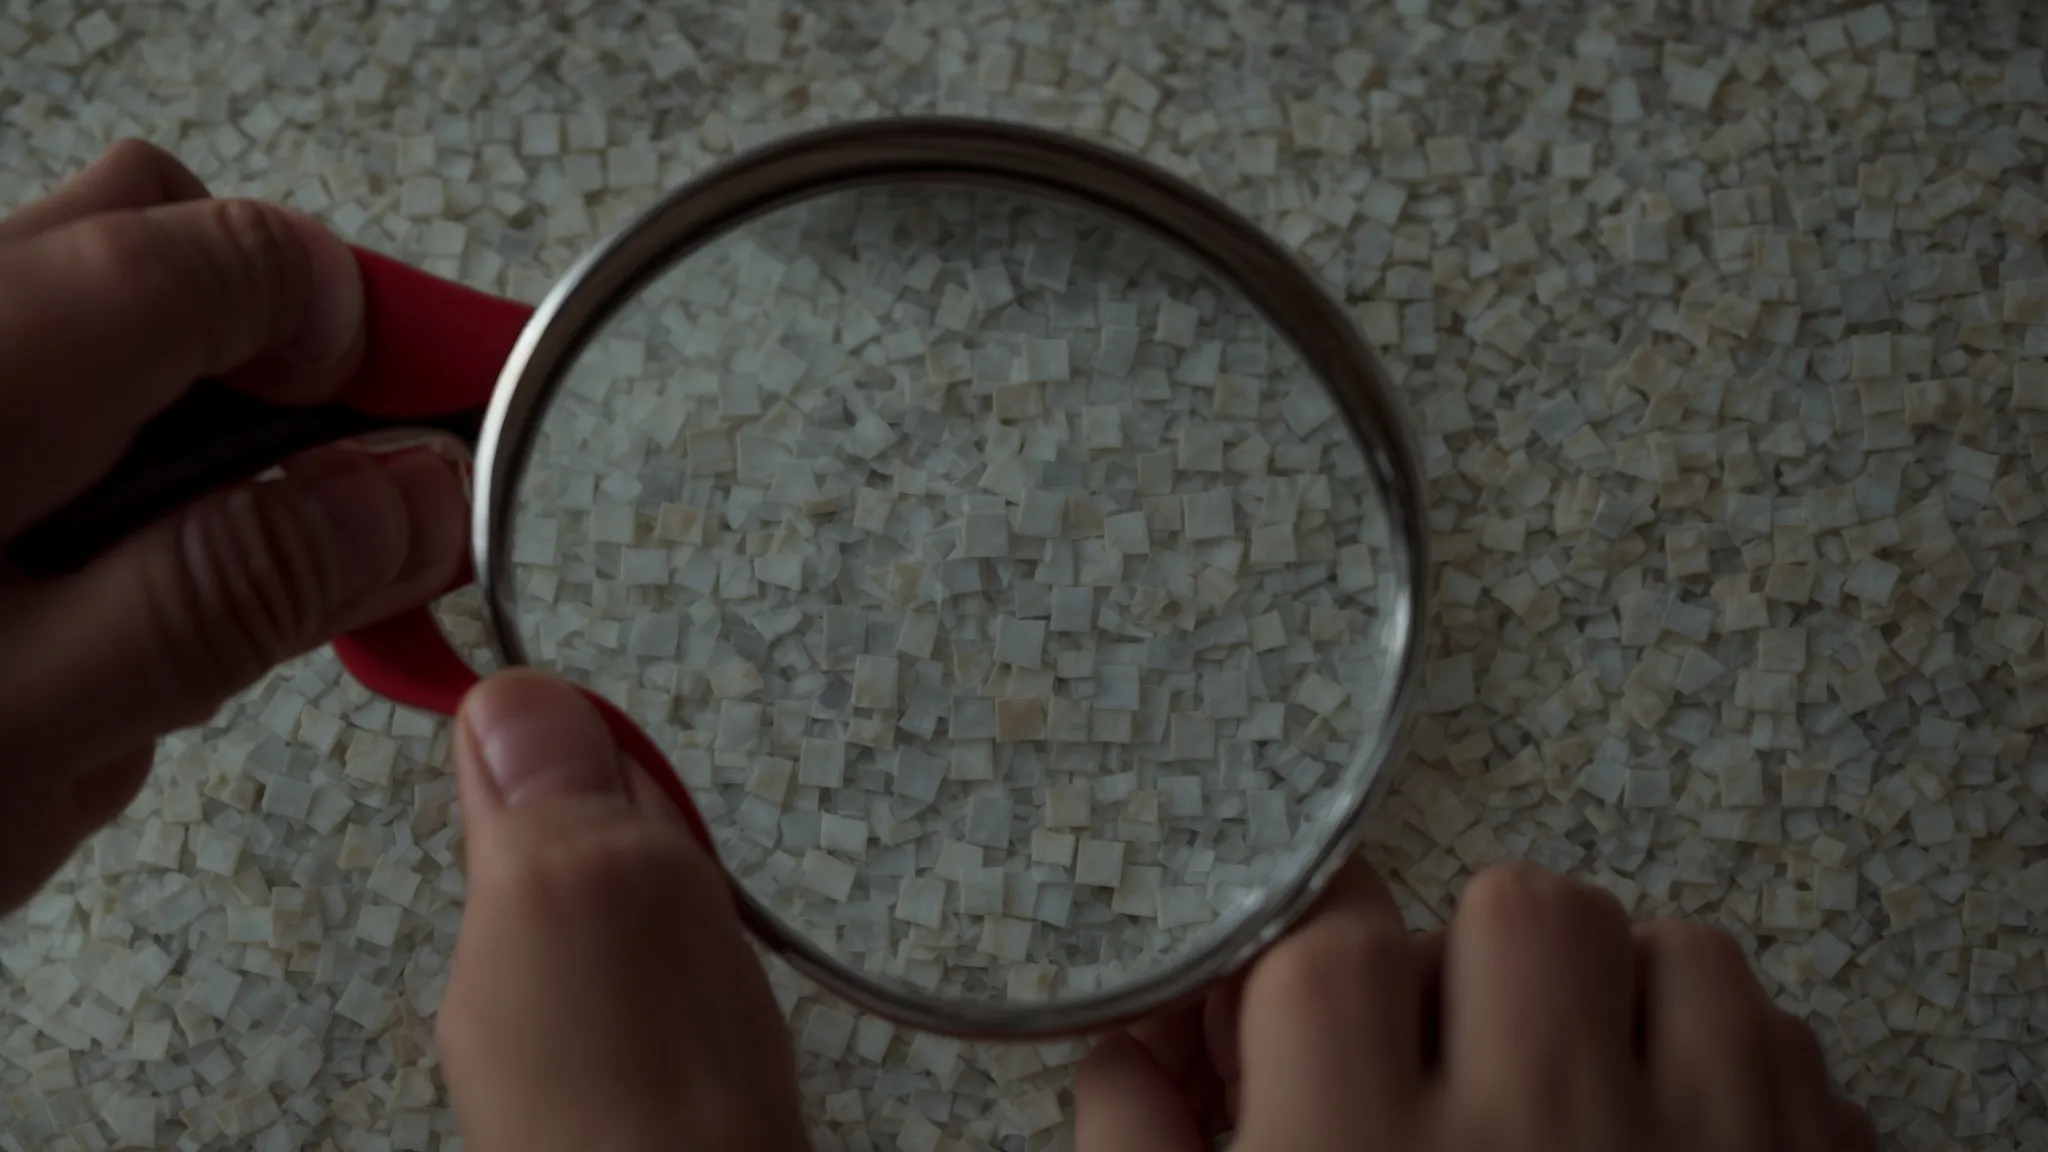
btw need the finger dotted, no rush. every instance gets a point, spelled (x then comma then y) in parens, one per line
(1710, 1035)
(528, 736)
(132, 174)
(1174, 1038)
(1538, 996)
(1220, 1017)
(47, 816)
(1827, 1118)
(1852, 1130)
(551, 827)
(526, 739)
(1129, 1097)
(156, 633)
(105, 792)
(1805, 1088)
(647, 795)
(105, 320)
(1429, 958)
(1178, 1043)
(32, 845)
(1329, 1032)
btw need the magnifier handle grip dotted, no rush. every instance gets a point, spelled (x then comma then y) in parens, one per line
(408, 659)
(432, 354)
(211, 437)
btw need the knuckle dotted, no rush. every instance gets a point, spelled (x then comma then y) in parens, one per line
(1531, 906)
(131, 152)
(33, 844)
(255, 265)
(1791, 1036)
(1514, 892)
(1331, 959)
(1598, 908)
(1512, 884)
(239, 590)
(142, 268)
(1748, 1028)
(115, 252)
(266, 542)
(1702, 947)
(1853, 1127)
(255, 237)
(1713, 964)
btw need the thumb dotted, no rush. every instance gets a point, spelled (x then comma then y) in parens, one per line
(523, 739)
(156, 633)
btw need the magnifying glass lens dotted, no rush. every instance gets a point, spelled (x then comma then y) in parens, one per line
(1012, 599)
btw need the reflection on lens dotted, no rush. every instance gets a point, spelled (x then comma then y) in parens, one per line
(1006, 592)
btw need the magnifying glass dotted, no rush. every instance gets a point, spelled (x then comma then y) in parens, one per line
(1010, 558)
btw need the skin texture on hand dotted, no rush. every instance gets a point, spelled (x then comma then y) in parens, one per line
(117, 292)
(1541, 1019)
(602, 994)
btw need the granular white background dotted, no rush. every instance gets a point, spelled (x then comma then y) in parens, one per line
(1726, 327)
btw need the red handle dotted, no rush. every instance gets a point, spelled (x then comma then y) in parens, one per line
(408, 660)
(434, 346)
(437, 347)
(432, 354)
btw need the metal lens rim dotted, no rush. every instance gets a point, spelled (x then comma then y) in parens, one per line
(1027, 161)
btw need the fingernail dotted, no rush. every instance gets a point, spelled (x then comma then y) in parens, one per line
(366, 524)
(334, 309)
(538, 737)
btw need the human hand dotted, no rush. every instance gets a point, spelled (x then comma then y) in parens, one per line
(117, 292)
(602, 994)
(1539, 1020)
